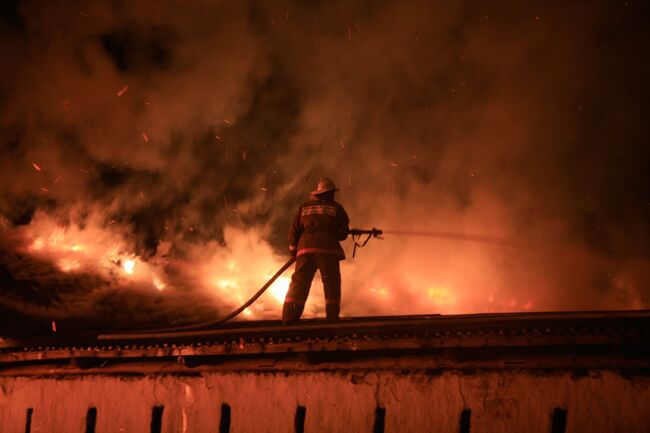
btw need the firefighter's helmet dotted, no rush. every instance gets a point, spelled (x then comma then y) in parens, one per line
(325, 185)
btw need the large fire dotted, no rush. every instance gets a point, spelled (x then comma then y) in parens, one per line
(233, 271)
(88, 250)
(430, 277)
(376, 282)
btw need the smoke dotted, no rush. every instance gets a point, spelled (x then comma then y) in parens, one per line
(183, 136)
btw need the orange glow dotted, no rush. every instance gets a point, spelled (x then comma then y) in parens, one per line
(232, 271)
(382, 291)
(128, 266)
(38, 244)
(159, 284)
(236, 272)
(441, 296)
(89, 249)
(68, 265)
(280, 288)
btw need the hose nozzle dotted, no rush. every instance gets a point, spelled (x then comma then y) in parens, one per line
(356, 237)
(372, 232)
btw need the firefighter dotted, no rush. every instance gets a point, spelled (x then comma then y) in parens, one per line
(319, 226)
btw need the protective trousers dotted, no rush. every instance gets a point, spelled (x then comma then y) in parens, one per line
(306, 266)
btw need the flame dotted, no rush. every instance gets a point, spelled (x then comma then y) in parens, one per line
(69, 265)
(280, 288)
(87, 248)
(232, 274)
(128, 266)
(225, 284)
(232, 271)
(441, 296)
(38, 244)
(159, 284)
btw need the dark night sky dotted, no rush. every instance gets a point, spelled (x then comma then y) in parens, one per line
(525, 121)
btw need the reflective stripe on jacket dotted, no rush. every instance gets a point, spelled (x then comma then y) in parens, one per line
(318, 227)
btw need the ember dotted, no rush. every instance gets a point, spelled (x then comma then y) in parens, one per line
(128, 266)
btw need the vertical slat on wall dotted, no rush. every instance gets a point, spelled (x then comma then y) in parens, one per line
(91, 420)
(299, 420)
(28, 420)
(156, 419)
(224, 422)
(465, 421)
(380, 419)
(558, 420)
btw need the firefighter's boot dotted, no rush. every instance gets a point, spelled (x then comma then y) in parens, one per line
(332, 312)
(291, 312)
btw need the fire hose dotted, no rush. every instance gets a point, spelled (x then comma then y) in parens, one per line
(356, 235)
(224, 319)
(360, 237)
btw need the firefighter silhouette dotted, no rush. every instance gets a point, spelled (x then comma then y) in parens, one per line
(316, 230)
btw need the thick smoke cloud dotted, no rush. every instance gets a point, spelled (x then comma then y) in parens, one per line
(186, 133)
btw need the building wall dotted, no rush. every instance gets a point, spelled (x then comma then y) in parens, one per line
(335, 401)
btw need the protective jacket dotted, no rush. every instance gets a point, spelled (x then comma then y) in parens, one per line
(318, 227)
